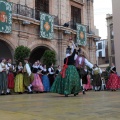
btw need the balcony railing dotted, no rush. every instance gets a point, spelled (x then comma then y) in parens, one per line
(29, 12)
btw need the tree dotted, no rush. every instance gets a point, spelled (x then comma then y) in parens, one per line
(49, 57)
(21, 52)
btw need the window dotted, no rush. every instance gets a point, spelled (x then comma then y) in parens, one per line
(75, 16)
(99, 46)
(100, 53)
(41, 6)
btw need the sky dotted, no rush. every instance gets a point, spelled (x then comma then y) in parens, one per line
(101, 8)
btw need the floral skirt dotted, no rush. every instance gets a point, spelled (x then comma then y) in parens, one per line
(113, 82)
(68, 85)
(37, 83)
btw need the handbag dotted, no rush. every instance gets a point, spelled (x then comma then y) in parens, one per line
(63, 71)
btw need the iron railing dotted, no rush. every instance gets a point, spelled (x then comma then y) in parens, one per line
(29, 12)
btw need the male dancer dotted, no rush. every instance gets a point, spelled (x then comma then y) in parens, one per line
(27, 76)
(81, 62)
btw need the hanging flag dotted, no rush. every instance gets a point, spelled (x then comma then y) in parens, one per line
(5, 17)
(46, 26)
(81, 34)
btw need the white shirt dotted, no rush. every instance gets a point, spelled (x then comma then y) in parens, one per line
(1, 68)
(28, 69)
(50, 69)
(87, 63)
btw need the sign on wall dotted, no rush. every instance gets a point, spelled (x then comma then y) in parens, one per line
(81, 34)
(46, 26)
(5, 17)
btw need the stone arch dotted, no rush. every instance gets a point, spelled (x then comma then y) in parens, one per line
(38, 50)
(7, 48)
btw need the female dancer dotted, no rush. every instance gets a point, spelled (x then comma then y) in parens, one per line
(45, 79)
(113, 81)
(19, 86)
(37, 83)
(68, 82)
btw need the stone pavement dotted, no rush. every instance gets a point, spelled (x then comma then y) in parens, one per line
(104, 105)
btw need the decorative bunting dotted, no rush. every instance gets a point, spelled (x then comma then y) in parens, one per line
(81, 34)
(5, 17)
(46, 26)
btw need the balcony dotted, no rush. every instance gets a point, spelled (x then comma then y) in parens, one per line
(29, 12)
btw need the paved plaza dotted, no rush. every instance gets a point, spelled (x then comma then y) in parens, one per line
(104, 105)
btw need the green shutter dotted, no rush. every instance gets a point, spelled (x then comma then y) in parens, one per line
(81, 34)
(46, 26)
(5, 17)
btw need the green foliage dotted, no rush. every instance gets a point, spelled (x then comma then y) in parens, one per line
(21, 52)
(49, 57)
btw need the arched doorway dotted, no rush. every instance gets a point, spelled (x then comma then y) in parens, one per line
(37, 53)
(6, 50)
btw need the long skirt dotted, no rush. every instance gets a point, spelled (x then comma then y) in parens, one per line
(19, 86)
(27, 79)
(68, 85)
(51, 78)
(113, 82)
(37, 84)
(97, 80)
(3, 81)
(46, 83)
(10, 80)
(88, 86)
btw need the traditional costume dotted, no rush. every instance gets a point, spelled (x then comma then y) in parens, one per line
(88, 86)
(37, 83)
(80, 63)
(28, 77)
(10, 76)
(51, 75)
(57, 71)
(45, 80)
(113, 81)
(97, 78)
(3, 79)
(68, 82)
(19, 86)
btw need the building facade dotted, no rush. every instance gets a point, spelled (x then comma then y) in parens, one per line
(110, 37)
(26, 27)
(116, 29)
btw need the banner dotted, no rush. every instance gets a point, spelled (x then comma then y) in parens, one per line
(5, 17)
(81, 35)
(46, 26)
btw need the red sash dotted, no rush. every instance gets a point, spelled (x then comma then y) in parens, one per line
(63, 71)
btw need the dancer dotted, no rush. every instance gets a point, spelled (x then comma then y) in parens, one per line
(58, 70)
(3, 77)
(68, 82)
(113, 81)
(19, 86)
(88, 86)
(10, 76)
(37, 83)
(97, 77)
(80, 62)
(28, 77)
(45, 79)
(51, 74)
